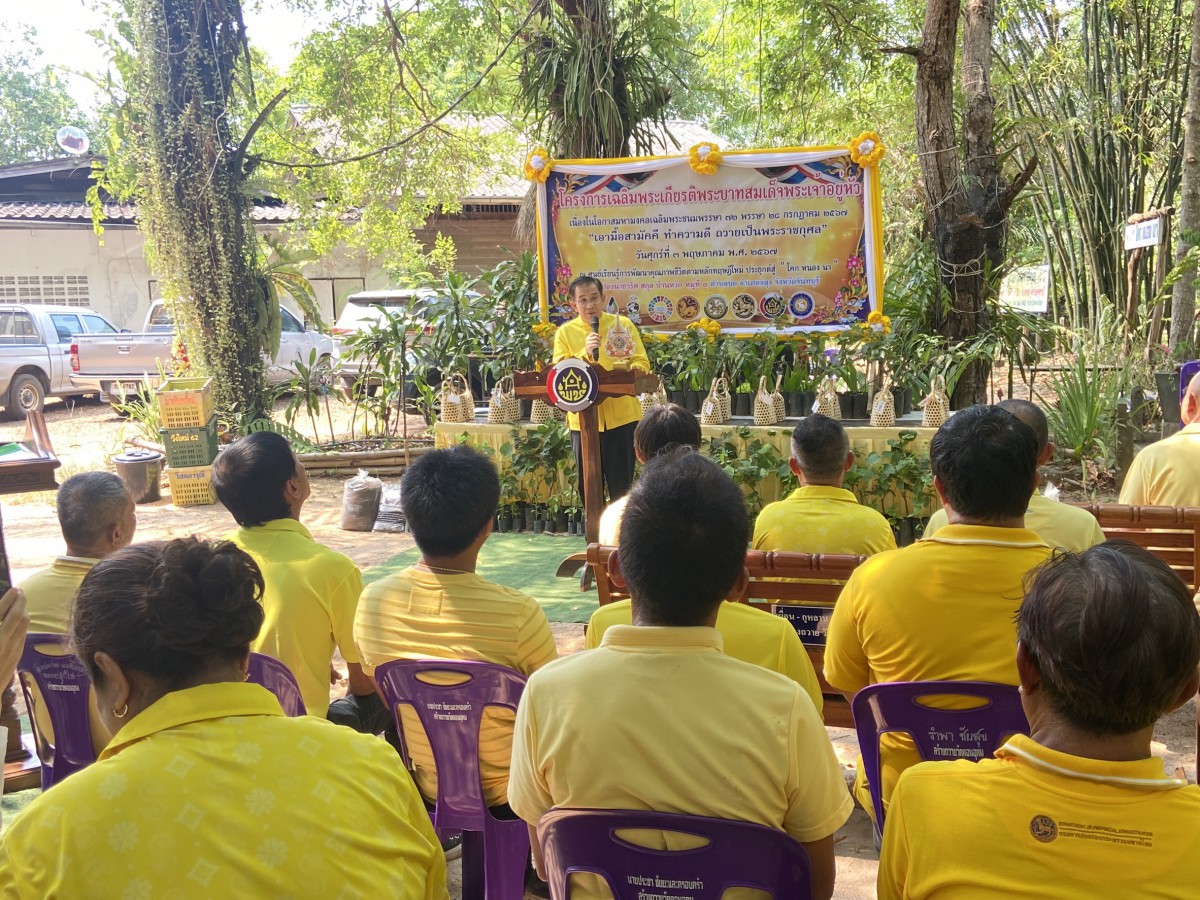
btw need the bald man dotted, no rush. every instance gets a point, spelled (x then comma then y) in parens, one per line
(1167, 473)
(1058, 524)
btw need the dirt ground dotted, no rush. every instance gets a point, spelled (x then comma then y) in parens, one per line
(88, 434)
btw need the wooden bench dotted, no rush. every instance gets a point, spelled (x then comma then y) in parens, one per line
(786, 598)
(1172, 533)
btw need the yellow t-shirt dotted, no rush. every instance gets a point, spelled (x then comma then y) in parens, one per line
(213, 792)
(1167, 473)
(420, 615)
(610, 522)
(50, 593)
(569, 342)
(1058, 524)
(940, 609)
(310, 597)
(1036, 823)
(662, 719)
(821, 519)
(749, 634)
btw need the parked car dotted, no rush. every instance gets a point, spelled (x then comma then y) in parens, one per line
(35, 348)
(114, 365)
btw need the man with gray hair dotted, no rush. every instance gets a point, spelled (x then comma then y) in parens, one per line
(97, 516)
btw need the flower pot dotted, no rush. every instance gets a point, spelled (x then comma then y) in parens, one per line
(858, 401)
(526, 408)
(560, 523)
(846, 402)
(808, 401)
(504, 522)
(794, 401)
(679, 398)
(695, 400)
(742, 404)
(539, 526)
(1168, 397)
(531, 515)
(901, 397)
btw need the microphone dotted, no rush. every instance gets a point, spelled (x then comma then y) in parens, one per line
(596, 330)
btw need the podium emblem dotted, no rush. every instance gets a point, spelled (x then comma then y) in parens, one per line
(572, 385)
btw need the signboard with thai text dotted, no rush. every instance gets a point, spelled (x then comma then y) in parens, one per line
(1144, 234)
(1027, 289)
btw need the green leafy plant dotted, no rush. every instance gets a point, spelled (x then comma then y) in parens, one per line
(141, 409)
(897, 481)
(309, 386)
(1083, 422)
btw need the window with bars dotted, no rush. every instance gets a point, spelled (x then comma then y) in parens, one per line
(60, 290)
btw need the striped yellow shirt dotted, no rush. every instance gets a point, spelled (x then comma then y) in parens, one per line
(419, 615)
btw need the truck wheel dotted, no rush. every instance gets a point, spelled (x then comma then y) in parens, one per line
(26, 394)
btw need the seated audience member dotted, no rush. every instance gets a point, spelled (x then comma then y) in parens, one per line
(750, 634)
(311, 591)
(657, 717)
(1058, 524)
(14, 624)
(208, 789)
(821, 516)
(943, 608)
(1108, 643)
(97, 516)
(441, 608)
(1167, 473)
(661, 426)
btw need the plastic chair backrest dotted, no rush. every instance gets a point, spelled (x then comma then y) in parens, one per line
(450, 715)
(63, 688)
(738, 854)
(279, 680)
(939, 734)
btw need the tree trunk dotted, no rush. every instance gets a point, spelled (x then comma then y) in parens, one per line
(1182, 344)
(966, 202)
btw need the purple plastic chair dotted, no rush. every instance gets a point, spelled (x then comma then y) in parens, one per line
(495, 851)
(279, 680)
(940, 734)
(738, 854)
(63, 686)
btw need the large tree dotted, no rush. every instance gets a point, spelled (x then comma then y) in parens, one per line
(1183, 301)
(967, 199)
(191, 62)
(34, 103)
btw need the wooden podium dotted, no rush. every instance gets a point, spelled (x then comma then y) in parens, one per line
(616, 383)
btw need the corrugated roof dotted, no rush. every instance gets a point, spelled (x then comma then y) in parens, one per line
(28, 210)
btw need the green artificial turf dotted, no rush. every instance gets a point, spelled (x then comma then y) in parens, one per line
(526, 562)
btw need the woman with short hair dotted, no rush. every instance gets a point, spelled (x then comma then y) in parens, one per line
(207, 789)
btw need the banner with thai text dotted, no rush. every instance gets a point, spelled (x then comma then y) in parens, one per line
(783, 239)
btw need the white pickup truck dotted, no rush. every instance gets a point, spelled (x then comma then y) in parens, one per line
(35, 348)
(116, 364)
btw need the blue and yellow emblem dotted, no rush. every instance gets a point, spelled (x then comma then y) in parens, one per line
(572, 385)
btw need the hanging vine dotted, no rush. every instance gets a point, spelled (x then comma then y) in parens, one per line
(191, 63)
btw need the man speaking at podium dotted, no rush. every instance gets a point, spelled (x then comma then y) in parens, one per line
(609, 341)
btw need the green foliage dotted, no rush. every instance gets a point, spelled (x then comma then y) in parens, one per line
(748, 461)
(385, 355)
(34, 102)
(511, 288)
(141, 409)
(309, 387)
(597, 82)
(1083, 421)
(897, 481)
(299, 442)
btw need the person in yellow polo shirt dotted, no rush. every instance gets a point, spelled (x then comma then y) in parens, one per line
(658, 717)
(1167, 473)
(943, 608)
(311, 591)
(208, 789)
(614, 344)
(440, 607)
(749, 634)
(97, 516)
(1109, 643)
(1058, 524)
(662, 426)
(821, 516)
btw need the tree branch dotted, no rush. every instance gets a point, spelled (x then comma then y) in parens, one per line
(1006, 199)
(395, 145)
(915, 52)
(240, 153)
